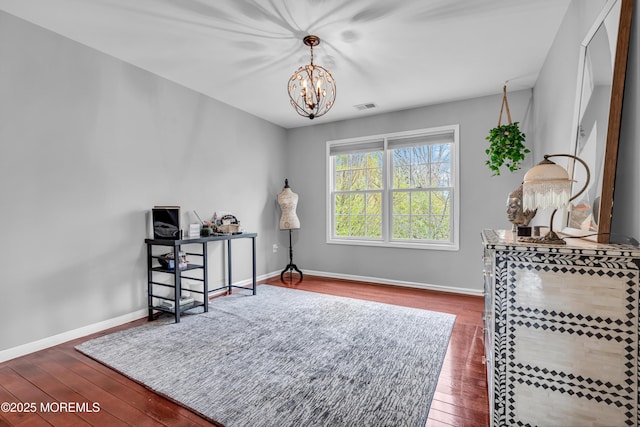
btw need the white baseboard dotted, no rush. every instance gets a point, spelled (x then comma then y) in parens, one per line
(54, 340)
(378, 280)
(44, 343)
(34, 346)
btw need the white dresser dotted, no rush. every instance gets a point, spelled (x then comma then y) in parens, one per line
(561, 332)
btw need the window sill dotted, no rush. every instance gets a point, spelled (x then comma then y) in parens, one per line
(401, 245)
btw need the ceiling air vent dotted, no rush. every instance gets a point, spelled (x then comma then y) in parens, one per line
(366, 106)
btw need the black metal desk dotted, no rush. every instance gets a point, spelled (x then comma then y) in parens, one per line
(178, 273)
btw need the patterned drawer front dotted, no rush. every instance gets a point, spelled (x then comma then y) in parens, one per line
(537, 406)
(589, 379)
(600, 292)
(585, 358)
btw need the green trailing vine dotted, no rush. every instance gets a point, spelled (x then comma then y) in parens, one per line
(506, 149)
(507, 143)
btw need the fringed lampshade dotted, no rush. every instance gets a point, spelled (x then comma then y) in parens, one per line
(546, 185)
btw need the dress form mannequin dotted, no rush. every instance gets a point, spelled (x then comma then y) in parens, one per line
(288, 201)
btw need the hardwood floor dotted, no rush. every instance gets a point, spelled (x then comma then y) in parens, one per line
(60, 374)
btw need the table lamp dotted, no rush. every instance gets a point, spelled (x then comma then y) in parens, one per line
(547, 185)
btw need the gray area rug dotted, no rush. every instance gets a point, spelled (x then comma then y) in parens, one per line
(287, 357)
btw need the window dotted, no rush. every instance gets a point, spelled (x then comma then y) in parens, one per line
(395, 190)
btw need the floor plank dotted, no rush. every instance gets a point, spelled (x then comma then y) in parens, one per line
(62, 374)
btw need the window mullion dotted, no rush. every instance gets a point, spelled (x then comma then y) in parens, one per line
(387, 184)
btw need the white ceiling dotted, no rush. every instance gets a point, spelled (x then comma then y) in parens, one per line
(397, 54)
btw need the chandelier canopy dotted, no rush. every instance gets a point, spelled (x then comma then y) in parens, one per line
(312, 89)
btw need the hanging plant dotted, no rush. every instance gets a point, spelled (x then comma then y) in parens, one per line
(507, 143)
(506, 149)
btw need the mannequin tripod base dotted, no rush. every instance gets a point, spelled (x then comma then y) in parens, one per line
(291, 268)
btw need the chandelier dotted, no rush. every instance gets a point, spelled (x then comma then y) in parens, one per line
(312, 89)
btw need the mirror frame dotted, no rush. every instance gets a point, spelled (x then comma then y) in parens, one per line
(615, 116)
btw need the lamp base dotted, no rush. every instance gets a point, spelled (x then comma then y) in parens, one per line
(551, 238)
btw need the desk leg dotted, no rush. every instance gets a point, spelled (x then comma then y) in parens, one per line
(253, 241)
(177, 282)
(229, 263)
(149, 285)
(205, 276)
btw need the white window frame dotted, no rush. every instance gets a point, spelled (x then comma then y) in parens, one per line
(386, 240)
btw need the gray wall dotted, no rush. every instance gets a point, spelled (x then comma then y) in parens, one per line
(555, 91)
(482, 198)
(88, 145)
(554, 100)
(547, 119)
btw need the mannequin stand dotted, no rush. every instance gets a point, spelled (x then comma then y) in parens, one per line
(291, 266)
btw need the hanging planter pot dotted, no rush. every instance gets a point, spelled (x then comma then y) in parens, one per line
(507, 143)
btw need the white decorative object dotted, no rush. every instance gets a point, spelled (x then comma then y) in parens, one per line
(194, 230)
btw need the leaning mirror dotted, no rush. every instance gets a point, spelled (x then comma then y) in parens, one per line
(601, 72)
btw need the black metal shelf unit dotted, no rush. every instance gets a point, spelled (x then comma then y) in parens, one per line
(178, 276)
